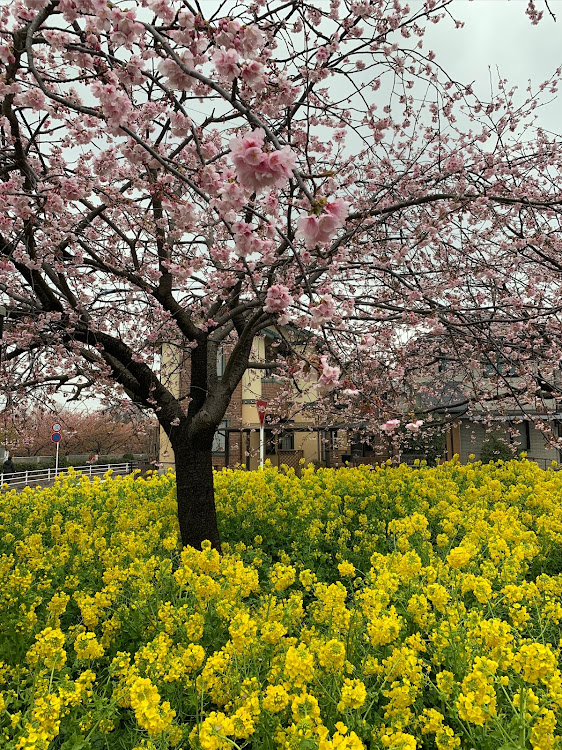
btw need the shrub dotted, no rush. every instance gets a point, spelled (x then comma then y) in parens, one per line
(495, 448)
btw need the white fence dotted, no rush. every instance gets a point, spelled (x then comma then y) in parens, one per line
(39, 476)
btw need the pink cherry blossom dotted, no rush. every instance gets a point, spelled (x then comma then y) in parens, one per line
(323, 311)
(174, 76)
(71, 189)
(115, 104)
(126, 28)
(162, 9)
(390, 426)
(186, 19)
(329, 377)
(180, 124)
(36, 4)
(453, 164)
(32, 98)
(246, 240)
(254, 75)
(226, 63)
(339, 208)
(256, 168)
(277, 299)
(251, 41)
(414, 426)
(57, 39)
(6, 54)
(318, 230)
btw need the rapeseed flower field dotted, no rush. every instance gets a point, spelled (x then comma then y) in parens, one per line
(390, 608)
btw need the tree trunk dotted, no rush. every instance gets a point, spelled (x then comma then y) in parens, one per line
(195, 492)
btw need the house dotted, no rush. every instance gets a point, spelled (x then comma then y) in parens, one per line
(495, 435)
(484, 434)
(300, 437)
(289, 441)
(504, 427)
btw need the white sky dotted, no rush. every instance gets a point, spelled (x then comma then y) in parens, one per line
(499, 35)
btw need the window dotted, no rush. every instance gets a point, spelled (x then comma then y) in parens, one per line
(219, 441)
(286, 442)
(221, 362)
(499, 368)
(361, 450)
(527, 434)
(523, 439)
(270, 443)
(280, 442)
(356, 450)
(334, 442)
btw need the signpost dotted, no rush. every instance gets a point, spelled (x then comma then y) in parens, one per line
(56, 438)
(262, 408)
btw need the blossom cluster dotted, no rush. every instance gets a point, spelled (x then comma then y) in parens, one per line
(380, 607)
(256, 168)
(319, 228)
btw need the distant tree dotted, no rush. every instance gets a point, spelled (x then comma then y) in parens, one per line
(98, 434)
(179, 172)
(27, 432)
(93, 433)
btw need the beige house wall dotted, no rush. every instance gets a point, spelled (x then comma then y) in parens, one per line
(250, 413)
(251, 389)
(170, 374)
(308, 443)
(251, 380)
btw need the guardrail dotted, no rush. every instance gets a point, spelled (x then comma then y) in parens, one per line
(38, 476)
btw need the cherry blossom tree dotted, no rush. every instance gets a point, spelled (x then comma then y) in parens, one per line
(174, 173)
(94, 432)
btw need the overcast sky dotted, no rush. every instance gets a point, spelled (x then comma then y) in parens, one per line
(499, 35)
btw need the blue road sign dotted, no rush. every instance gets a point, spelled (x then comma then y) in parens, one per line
(55, 437)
